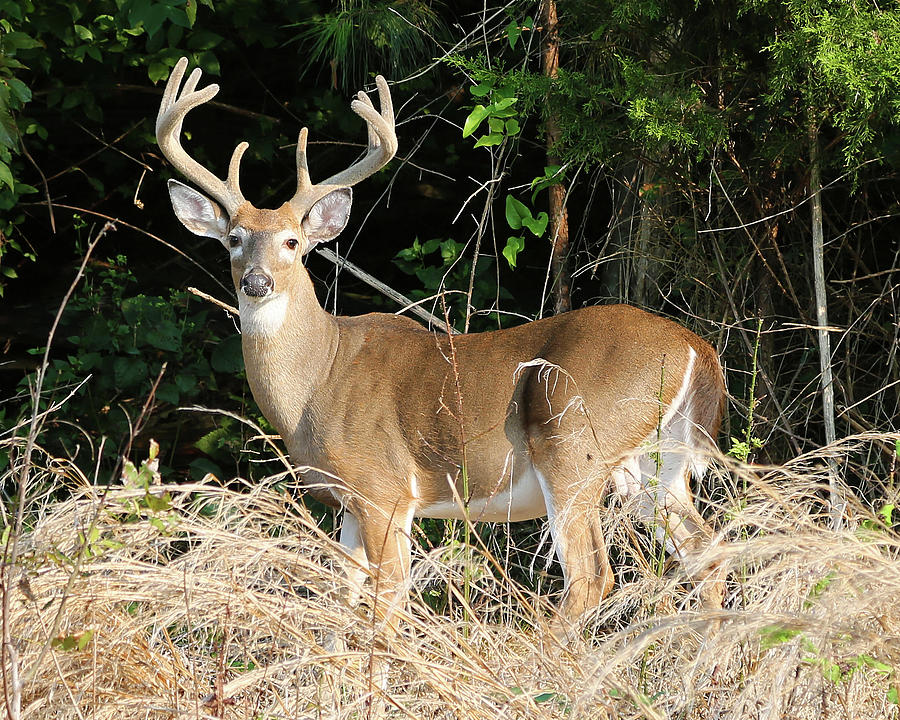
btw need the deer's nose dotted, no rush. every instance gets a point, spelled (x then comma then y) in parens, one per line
(257, 283)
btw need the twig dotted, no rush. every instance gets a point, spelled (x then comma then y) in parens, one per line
(44, 184)
(386, 290)
(401, 299)
(230, 309)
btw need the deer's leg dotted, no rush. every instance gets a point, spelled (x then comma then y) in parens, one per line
(385, 537)
(357, 565)
(573, 512)
(356, 570)
(668, 503)
(384, 540)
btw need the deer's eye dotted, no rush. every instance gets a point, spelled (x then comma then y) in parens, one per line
(291, 243)
(234, 241)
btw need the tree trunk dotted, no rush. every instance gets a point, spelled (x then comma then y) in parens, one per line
(559, 216)
(648, 246)
(815, 187)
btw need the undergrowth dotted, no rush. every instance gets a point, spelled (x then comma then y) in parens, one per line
(145, 599)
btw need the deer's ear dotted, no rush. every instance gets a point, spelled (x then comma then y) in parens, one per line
(197, 212)
(327, 217)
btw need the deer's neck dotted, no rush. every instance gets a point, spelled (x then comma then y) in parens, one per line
(289, 344)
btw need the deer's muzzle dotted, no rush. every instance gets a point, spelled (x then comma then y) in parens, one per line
(257, 284)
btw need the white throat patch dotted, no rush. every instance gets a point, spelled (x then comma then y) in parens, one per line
(264, 316)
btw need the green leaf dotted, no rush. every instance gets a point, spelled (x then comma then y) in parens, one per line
(6, 177)
(876, 665)
(551, 176)
(84, 639)
(431, 277)
(209, 62)
(203, 40)
(893, 696)
(129, 373)
(478, 114)
(65, 643)
(8, 129)
(168, 393)
(819, 588)
(495, 124)
(429, 246)
(492, 139)
(513, 32)
(515, 212)
(159, 525)
(20, 90)
(201, 467)
(166, 335)
(503, 104)
(537, 225)
(83, 33)
(212, 442)
(512, 126)
(773, 635)
(227, 356)
(151, 15)
(514, 246)
(186, 382)
(72, 642)
(831, 671)
(481, 90)
(157, 71)
(158, 504)
(17, 40)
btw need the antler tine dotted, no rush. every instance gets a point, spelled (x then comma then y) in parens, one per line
(233, 182)
(174, 107)
(373, 137)
(384, 99)
(304, 185)
(382, 146)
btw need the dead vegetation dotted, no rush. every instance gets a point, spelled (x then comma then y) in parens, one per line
(165, 601)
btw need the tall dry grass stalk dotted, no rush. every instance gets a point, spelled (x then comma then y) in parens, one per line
(206, 601)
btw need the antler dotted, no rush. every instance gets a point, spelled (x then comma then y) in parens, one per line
(382, 147)
(172, 112)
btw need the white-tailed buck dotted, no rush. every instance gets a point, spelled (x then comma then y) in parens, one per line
(538, 420)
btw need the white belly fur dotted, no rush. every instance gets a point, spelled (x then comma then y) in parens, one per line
(523, 501)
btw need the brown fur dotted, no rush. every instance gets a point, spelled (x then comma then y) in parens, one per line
(391, 421)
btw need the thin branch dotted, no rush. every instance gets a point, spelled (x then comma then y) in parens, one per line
(386, 290)
(44, 183)
(230, 309)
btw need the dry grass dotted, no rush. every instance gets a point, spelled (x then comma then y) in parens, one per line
(218, 603)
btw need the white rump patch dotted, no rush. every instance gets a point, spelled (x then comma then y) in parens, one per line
(656, 475)
(262, 316)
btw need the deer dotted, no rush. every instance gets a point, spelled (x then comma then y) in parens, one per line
(390, 421)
